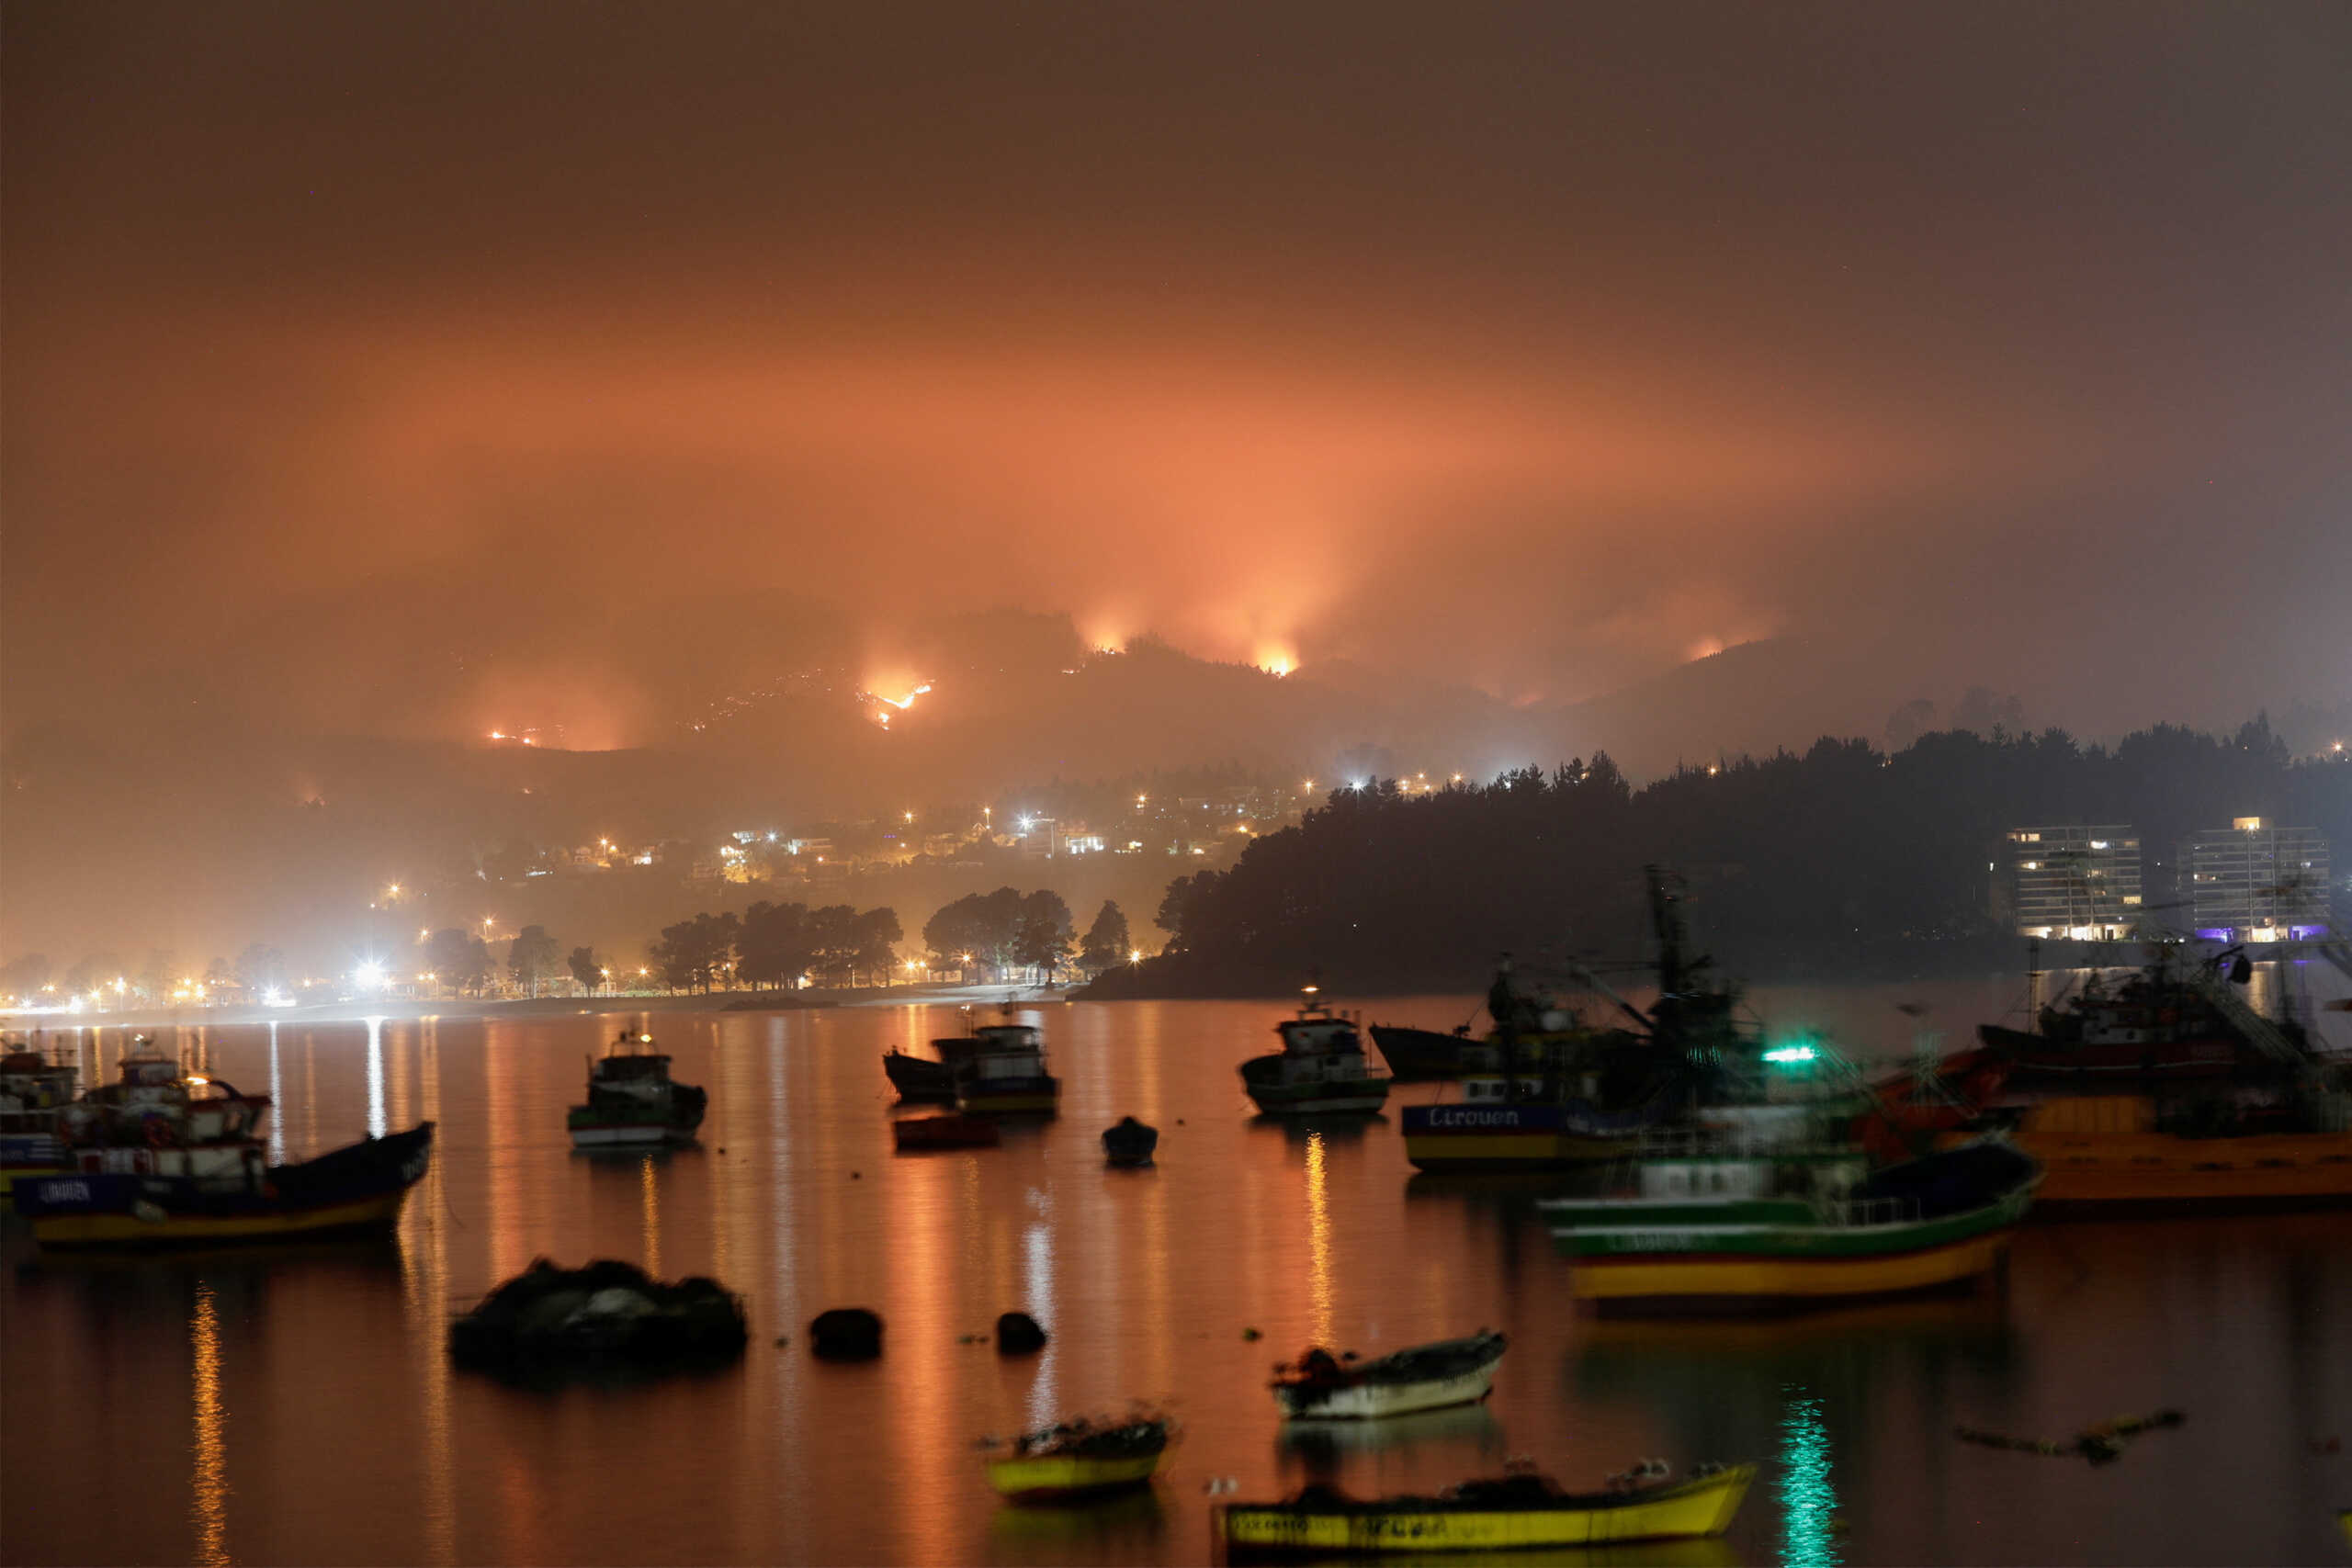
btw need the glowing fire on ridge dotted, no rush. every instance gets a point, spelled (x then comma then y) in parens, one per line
(883, 705)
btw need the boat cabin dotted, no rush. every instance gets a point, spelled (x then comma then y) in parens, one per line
(1733, 1177)
(1494, 1091)
(1318, 1031)
(1007, 1051)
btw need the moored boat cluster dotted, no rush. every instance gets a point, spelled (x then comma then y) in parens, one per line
(1712, 1169)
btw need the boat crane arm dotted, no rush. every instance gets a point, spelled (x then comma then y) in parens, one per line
(1585, 976)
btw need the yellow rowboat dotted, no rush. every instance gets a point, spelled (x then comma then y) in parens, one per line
(1516, 1513)
(1081, 1458)
(1069, 1475)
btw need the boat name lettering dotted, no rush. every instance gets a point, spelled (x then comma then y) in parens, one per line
(1473, 1116)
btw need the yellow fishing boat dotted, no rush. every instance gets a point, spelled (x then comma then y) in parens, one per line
(2102, 1149)
(1516, 1513)
(1080, 1458)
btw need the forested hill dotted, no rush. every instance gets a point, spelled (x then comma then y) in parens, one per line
(1844, 861)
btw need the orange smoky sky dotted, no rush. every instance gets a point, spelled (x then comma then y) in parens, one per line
(426, 368)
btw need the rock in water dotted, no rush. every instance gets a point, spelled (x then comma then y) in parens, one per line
(1018, 1334)
(547, 1318)
(846, 1333)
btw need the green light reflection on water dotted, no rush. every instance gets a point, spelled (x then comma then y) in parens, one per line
(1807, 1500)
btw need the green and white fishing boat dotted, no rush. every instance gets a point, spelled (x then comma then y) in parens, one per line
(1730, 1224)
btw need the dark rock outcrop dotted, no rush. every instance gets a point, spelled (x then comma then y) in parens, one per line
(846, 1333)
(1018, 1334)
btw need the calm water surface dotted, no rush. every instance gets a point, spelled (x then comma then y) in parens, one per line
(297, 1405)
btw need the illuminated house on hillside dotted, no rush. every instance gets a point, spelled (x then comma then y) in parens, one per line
(2079, 884)
(2254, 881)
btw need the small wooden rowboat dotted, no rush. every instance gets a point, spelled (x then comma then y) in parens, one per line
(954, 1132)
(1081, 1458)
(1319, 1385)
(1514, 1512)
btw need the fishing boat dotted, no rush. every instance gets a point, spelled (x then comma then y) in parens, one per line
(1528, 1120)
(919, 1078)
(953, 1131)
(1725, 1228)
(1006, 1074)
(1424, 1055)
(163, 1159)
(2119, 1152)
(1320, 1070)
(632, 1102)
(1082, 1457)
(1518, 1511)
(1130, 1142)
(2171, 1021)
(932, 1079)
(1548, 1088)
(1321, 1386)
(34, 1092)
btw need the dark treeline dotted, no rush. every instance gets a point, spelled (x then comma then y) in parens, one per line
(777, 946)
(1842, 860)
(994, 935)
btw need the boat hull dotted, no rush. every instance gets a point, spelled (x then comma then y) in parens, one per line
(26, 1155)
(2157, 1169)
(1052, 1476)
(1323, 1099)
(1731, 1281)
(1504, 1137)
(1369, 1402)
(2103, 1153)
(1319, 1386)
(919, 1078)
(2035, 1058)
(1704, 1508)
(1027, 1100)
(1931, 1222)
(353, 1190)
(638, 1135)
(919, 1134)
(1420, 1055)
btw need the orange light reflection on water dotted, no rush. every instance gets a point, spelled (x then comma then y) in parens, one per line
(1318, 1237)
(650, 1194)
(209, 1505)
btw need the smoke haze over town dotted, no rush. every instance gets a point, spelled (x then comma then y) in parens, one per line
(708, 381)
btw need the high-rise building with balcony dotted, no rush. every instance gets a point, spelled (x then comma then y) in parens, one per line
(2254, 881)
(2079, 884)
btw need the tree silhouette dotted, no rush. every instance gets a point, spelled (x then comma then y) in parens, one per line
(1106, 939)
(532, 957)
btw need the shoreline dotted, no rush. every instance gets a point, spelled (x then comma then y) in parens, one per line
(410, 1008)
